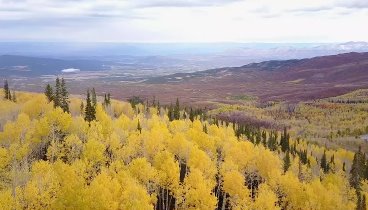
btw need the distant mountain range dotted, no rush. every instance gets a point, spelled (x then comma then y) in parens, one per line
(36, 59)
(293, 80)
(162, 76)
(110, 49)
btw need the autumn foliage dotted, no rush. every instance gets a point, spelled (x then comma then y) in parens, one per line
(51, 159)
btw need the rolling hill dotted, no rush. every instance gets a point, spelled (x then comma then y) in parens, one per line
(291, 80)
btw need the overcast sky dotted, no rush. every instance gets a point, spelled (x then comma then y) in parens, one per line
(184, 20)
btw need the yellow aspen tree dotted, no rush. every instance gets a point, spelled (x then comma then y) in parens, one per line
(197, 192)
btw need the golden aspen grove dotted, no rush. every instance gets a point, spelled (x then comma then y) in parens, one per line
(183, 105)
(138, 158)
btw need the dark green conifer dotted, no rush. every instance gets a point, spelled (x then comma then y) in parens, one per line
(82, 108)
(287, 161)
(49, 93)
(94, 98)
(357, 172)
(90, 112)
(177, 110)
(324, 165)
(57, 94)
(6, 90)
(191, 114)
(64, 103)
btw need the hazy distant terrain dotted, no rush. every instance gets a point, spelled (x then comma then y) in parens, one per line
(269, 71)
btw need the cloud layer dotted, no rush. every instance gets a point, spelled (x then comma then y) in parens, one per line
(184, 20)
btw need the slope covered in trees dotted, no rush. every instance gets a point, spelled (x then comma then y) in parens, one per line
(336, 122)
(145, 158)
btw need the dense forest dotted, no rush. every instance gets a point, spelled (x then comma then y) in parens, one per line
(59, 151)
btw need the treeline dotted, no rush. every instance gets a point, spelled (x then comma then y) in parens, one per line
(59, 95)
(8, 94)
(348, 101)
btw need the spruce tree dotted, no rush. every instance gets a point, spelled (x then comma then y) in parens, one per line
(287, 161)
(105, 103)
(191, 114)
(90, 112)
(357, 172)
(57, 94)
(177, 110)
(284, 142)
(64, 97)
(324, 162)
(6, 90)
(94, 98)
(49, 93)
(82, 108)
(170, 113)
(272, 141)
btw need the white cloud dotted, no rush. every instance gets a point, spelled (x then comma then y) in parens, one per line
(184, 20)
(70, 70)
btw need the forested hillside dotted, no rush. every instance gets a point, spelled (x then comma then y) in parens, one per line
(92, 152)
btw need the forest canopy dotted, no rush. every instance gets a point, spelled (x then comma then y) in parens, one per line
(53, 157)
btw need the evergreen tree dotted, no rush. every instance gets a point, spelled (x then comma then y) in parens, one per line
(90, 112)
(264, 142)
(49, 93)
(287, 161)
(6, 90)
(357, 172)
(272, 141)
(170, 113)
(177, 110)
(105, 100)
(324, 165)
(57, 94)
(284, 142)
(191, 114)
(82, 108)
(94, 98)
(64, 97)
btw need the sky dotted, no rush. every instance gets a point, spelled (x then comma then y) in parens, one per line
(184, 20)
